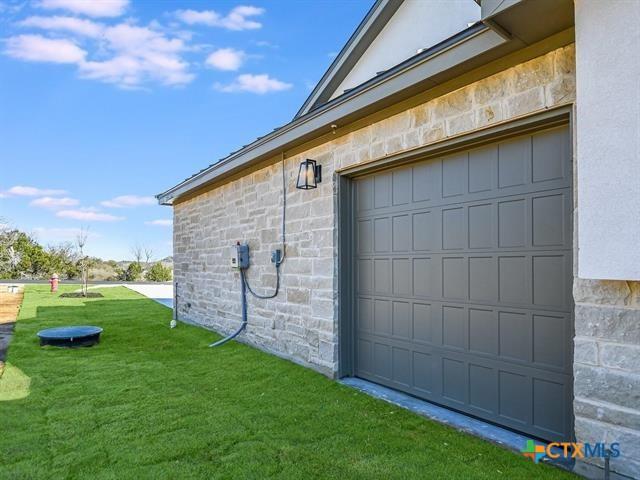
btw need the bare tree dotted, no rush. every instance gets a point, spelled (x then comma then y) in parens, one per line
(81, 241)
(137, 252)
(148, 255)
(10, 257)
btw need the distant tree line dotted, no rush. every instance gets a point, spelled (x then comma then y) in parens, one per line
(22, 257)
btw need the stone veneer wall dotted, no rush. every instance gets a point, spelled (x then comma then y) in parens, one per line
(607, 368)
(301, 323)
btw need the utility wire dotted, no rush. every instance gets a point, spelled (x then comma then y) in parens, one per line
(284, 240)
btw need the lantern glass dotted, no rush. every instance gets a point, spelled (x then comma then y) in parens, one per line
(308, 175)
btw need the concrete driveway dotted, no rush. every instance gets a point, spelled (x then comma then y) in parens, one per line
(162, 293)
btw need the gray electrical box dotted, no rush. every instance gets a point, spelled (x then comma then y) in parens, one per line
(240, 256)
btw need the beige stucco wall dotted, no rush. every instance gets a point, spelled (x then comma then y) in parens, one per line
(301, 323)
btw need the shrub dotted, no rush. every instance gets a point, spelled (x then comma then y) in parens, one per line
(159, 273)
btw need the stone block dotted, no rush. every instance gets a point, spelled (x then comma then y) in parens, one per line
(488, 114)
(420, 115)
(433, 133)
(461, 123)
(612, 386)
(561, 90)
(298, 295)
(378, 150)
(607, 413)
(533, 73)
(411, 138)
(565, 60)
(624, 357)
(491, 89)
(453, 104)
(394, 144)
(614, 324)
(607, 292)
(585, 351)
(390, 127)
(526, 102)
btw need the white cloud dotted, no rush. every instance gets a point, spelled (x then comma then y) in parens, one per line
(53, 202)
(124, 54)
(22, 191)
(88, 216)
(255, 84)
(78, 26)
(35, 48)
(226, 59)
(160, 223)
(266, 44)
(91, 8)
(51, 235)
(139, 54)
(236, 19)
(124, 201)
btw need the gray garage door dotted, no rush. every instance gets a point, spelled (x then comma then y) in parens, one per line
(463, 281)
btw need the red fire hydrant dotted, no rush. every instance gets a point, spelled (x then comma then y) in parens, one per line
(53, 281)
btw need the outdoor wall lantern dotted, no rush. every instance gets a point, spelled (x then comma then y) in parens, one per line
(310, 175)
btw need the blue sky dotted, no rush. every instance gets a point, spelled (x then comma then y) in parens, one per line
(105, 103)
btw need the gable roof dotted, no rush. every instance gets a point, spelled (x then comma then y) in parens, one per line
(372, 24)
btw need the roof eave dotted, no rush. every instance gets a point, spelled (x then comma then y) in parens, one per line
(405, 80)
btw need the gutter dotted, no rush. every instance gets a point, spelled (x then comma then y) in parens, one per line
(402, 81)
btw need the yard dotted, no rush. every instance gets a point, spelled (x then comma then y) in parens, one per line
(151, 402)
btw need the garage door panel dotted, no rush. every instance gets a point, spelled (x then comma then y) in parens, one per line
(548, 399)
(402, 187)
(483, 164)
(382, 235)
(550, 150)
(454, 381)
(463, 281)
(534, 221)
(423, 329)
(517, 338)
(514, 161)
(455, 278)
(521, 280)
(455, 327)
(364, 235)
(455, 175)
(382, 190)
(402, 276)
(483, 388)
(426, 185)
(364, 321)
(382, 276)
(516, 396)
(402, 233)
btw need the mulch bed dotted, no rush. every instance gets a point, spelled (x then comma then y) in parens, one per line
(80, 295)
(9, 308)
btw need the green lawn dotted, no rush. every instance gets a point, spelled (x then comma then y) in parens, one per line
(151, 402)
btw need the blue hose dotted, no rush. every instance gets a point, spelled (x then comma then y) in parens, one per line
(243, 325)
